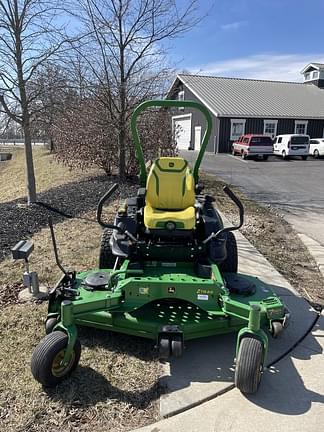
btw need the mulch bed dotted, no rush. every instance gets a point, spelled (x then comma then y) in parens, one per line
(19, 221)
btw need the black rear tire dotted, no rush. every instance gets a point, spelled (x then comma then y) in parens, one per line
(106, 257)
(248, 371)
(230, 264)
(304, 157)
(265, 157)
(45, 359)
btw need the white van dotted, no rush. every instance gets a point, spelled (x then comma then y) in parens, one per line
(291, 145)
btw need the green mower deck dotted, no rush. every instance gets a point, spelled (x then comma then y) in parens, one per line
(141, 305)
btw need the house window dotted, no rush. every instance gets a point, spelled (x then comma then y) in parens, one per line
(237, 128)
(307, 76)
(270, 127)
(301, 127)
(181, 95)
(315, 74)
(181, 98)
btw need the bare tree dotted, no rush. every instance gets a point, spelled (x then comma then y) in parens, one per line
(126, 51)
(52, 86)
(85, 136)
(28, 39)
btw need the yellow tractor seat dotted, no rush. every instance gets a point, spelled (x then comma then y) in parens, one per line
(170, 195)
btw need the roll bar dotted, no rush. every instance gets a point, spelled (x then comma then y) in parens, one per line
(176, 104)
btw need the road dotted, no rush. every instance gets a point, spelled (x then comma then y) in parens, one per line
(295, 186)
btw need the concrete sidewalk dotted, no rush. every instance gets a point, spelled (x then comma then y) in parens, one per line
(290, 398)
(316, 249)
(206, 370)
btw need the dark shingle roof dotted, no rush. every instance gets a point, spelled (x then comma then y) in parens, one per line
(256, 98)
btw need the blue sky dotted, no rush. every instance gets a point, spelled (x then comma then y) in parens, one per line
(265, 39)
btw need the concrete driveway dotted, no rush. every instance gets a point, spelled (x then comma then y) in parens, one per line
(294, 186)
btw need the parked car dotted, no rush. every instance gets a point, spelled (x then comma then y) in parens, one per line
(316, 147)
(291, 145)
(251, 145)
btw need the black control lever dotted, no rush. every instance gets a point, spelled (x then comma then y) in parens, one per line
(99, 213)
(58, 263)
(238, 203)
(100, 205)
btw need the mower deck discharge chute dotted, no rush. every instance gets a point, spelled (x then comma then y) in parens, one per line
(167, 272)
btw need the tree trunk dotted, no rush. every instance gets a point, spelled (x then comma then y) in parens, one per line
(122, 148)
(30, 175)
(122, 96)
(51, 145)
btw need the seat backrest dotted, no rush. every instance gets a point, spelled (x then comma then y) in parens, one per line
(170, 184)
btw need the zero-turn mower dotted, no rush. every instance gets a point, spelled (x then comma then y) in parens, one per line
(167, 272)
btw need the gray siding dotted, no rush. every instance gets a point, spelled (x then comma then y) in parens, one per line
(319, 83)
(315, 128)
(224, 135)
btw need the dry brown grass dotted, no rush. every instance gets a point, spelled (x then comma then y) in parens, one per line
(115, 388)
(78, 242)
(49, 173)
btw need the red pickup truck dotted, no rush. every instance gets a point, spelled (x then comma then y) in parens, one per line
(250, 145)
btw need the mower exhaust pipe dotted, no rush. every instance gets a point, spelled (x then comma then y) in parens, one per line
(238, 203)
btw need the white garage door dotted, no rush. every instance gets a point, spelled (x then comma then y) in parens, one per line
(182, 130)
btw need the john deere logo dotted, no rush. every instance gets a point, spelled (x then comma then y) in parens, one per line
(144, 290)
(171, 164)
(171, 290)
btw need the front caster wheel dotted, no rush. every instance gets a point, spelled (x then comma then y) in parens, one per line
(276, 329)
(164, 348)
(177, 346)
(47, 358)
(249, 365)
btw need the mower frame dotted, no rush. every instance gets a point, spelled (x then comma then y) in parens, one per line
(169, 302)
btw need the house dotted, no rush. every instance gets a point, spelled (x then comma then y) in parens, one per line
(241, 106)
